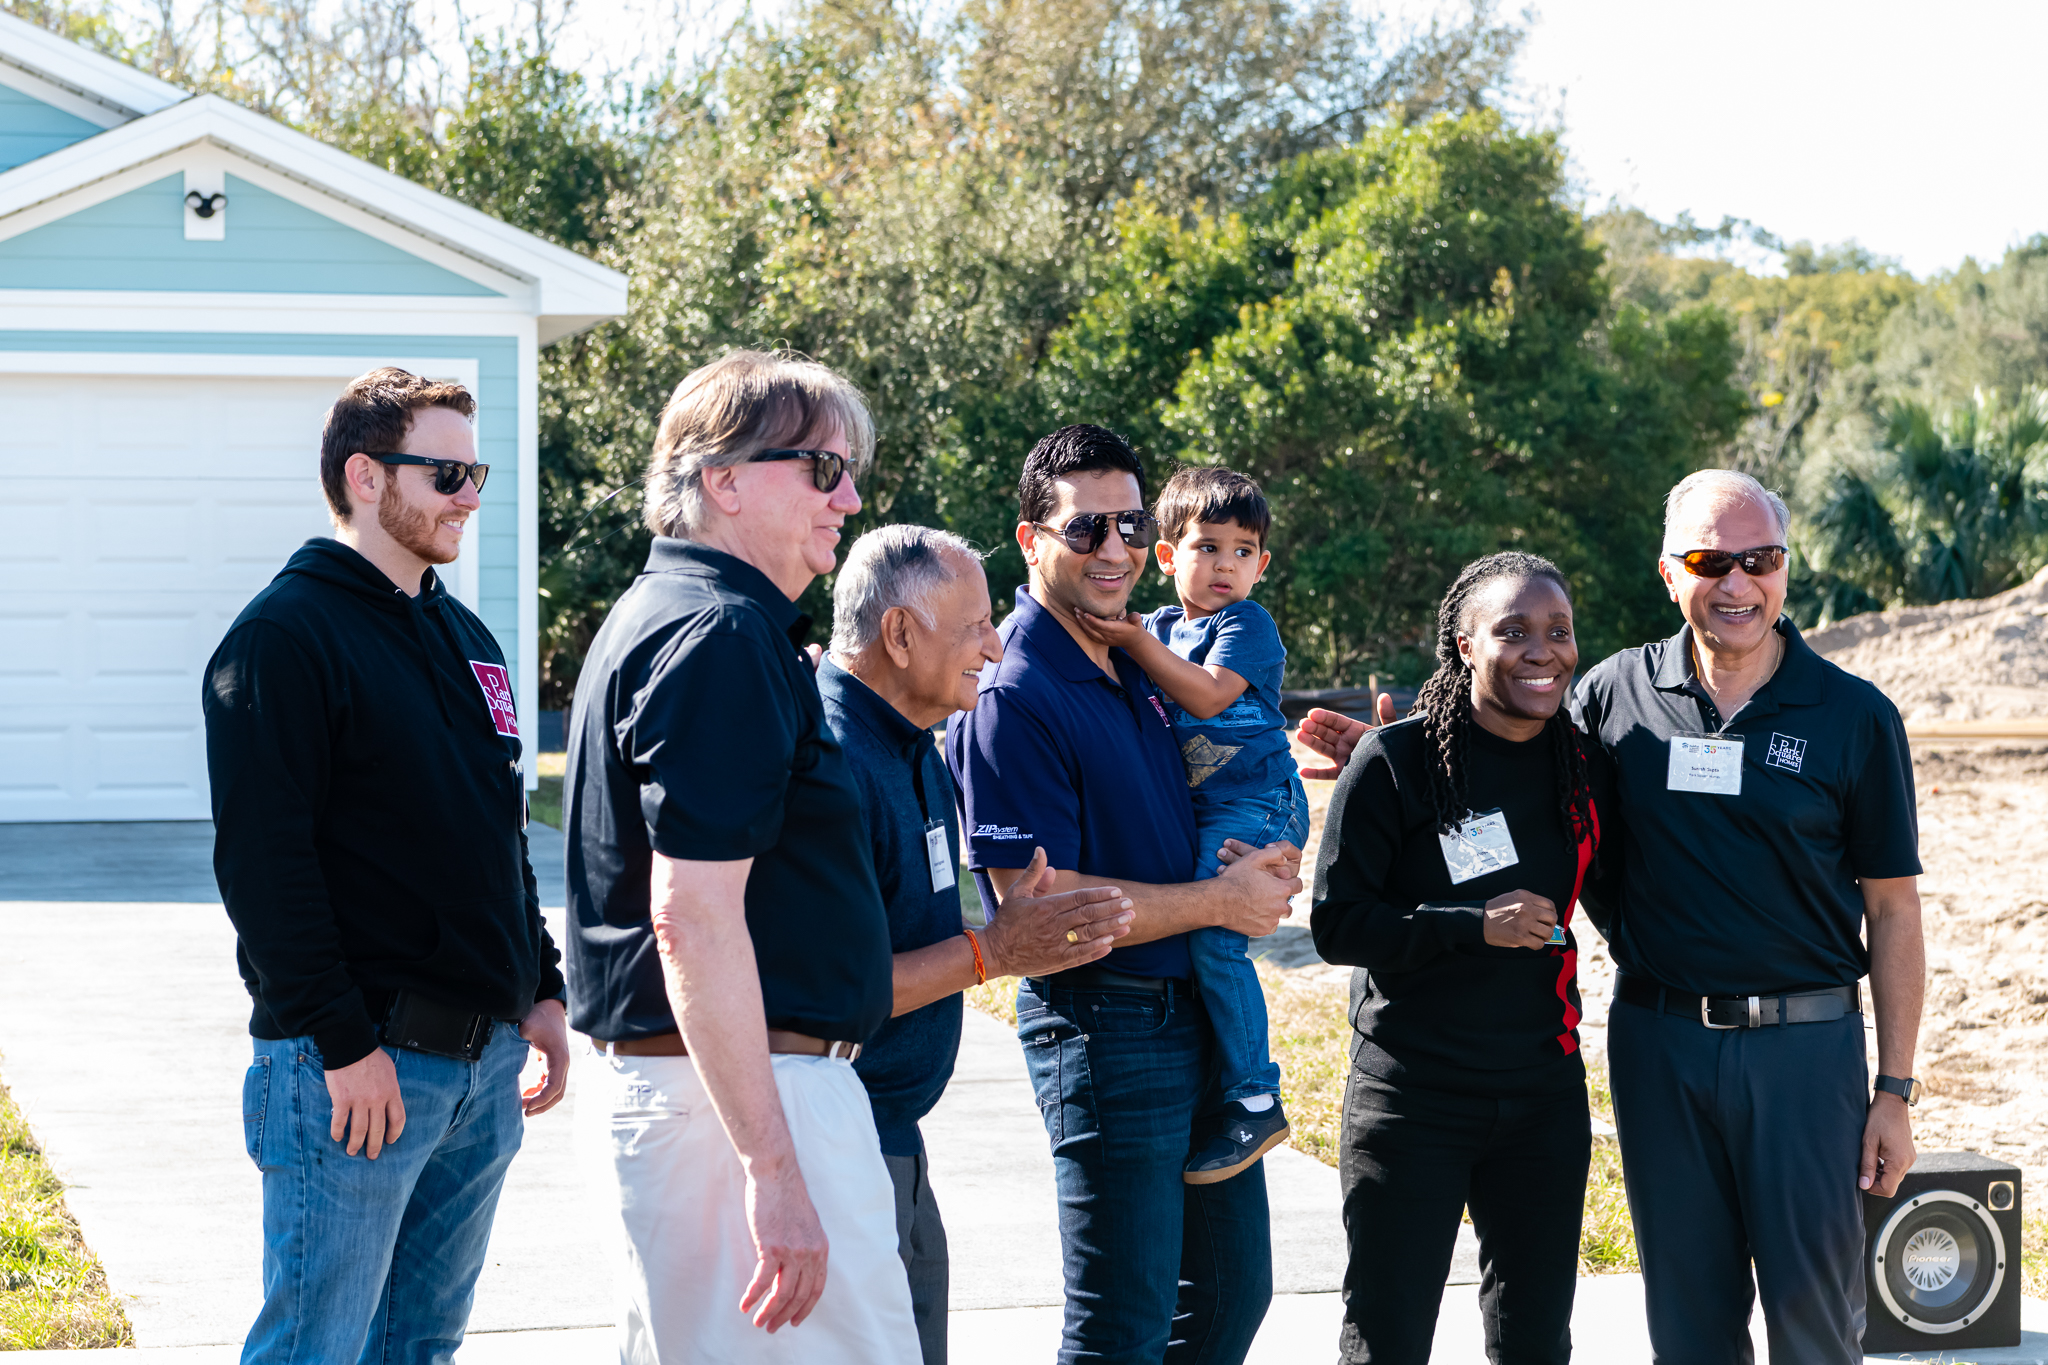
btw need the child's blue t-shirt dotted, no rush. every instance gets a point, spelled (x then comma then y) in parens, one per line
(1243, 748)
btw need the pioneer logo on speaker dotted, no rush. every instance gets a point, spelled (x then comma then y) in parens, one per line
(1938, 1265)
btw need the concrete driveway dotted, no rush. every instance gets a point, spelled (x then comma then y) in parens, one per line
(124, 1032)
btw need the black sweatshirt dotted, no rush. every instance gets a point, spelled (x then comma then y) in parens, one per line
(1435, 1004)
(367, 806)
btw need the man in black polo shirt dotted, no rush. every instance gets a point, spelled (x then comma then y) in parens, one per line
(728, 949)
(1766, 829)
(1069, 749)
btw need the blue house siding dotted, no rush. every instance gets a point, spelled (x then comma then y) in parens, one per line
(274, 246)
(497, 361)
(29, 128)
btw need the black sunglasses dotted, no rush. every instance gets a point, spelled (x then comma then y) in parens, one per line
(1719, 563)
(1084, 534)
(826, 471)
(448, 474)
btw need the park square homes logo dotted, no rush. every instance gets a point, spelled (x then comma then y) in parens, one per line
(1787, 753)
(497, 686)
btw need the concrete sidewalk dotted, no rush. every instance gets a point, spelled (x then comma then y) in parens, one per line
(123, 1026)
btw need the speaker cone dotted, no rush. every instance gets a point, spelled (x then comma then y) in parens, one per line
(1938, 1261)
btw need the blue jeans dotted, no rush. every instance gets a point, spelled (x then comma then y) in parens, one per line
(1228, 981)
(376, 1261)
(1156, 1269)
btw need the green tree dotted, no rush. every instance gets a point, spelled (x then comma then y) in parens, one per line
(917, 207)
(1407, 342)
(1951, 503)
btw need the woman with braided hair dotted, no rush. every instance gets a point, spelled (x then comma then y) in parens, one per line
(1451, 861)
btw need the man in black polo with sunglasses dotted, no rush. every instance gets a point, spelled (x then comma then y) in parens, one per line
(1765, 862)
(1069, 749)
(370, 844)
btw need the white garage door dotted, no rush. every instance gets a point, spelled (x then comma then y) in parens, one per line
(137, 517)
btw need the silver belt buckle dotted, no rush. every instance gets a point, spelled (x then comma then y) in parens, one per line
(1756, 1014)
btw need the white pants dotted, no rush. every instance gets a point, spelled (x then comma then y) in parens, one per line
(661, 1159)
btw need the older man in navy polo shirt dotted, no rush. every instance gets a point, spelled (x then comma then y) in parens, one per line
(910, 629)
(1069, 749)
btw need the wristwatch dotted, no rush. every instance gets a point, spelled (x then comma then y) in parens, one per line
(1907, 1090)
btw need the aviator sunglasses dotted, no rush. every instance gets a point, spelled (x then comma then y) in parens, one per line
(826, 470)
(448, 474)
(1719, 563)
(1084, 534)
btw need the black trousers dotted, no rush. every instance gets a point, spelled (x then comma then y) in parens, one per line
(1413, 1161)
(1741, 1146)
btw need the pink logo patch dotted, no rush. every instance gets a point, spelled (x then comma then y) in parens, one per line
(497, 686)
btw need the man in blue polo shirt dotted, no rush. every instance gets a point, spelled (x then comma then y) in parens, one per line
(1069, 749)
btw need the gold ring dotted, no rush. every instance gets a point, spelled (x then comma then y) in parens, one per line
(1073, 935)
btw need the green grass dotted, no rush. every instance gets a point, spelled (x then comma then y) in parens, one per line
(545, 803)
(1310, 1039)
(2034, 1256)
(53, 1294)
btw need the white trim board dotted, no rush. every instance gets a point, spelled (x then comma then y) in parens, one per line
(463, 370)
(151, 310)
(468, 584)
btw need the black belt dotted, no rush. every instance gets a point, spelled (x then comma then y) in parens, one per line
(1094, 977)
(1742, 1011)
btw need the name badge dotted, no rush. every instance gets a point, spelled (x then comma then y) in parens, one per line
(1478, 846)
(1705, 763)
(938, 854)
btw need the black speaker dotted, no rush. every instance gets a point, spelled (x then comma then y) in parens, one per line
(1941, 1258)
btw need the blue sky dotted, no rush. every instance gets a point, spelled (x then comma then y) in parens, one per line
(1913, 128)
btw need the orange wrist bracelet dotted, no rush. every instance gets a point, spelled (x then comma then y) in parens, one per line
(980, 967)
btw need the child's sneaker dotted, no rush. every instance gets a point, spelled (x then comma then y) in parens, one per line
(1242, 1138)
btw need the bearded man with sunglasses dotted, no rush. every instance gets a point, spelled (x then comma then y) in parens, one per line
(370, 844)
(1069, 749)
(1765, 834)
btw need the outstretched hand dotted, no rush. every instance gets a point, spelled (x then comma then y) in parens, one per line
(1037, 933)
(1334, 735)
(1122, 631)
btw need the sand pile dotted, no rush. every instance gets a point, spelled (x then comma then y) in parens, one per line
(1971, 660)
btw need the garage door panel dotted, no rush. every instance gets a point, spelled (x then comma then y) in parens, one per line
(103, 763)
(162, 535)
(151, 649)
(138, 516)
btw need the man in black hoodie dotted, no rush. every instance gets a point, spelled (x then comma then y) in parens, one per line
(370, 844)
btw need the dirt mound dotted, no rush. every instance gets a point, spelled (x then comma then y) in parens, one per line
(1973, 660)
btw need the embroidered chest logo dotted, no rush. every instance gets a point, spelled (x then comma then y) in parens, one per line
(497, 686)
(1204, 756)
(1787, 753)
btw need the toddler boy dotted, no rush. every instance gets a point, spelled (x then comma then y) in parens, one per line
(1218, 657)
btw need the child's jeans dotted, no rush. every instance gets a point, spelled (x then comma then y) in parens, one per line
(1228, 981)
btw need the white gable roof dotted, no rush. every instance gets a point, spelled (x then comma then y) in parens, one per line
(115, 86)
(568, 292)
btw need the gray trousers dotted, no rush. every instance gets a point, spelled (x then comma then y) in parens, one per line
(921, 1241)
